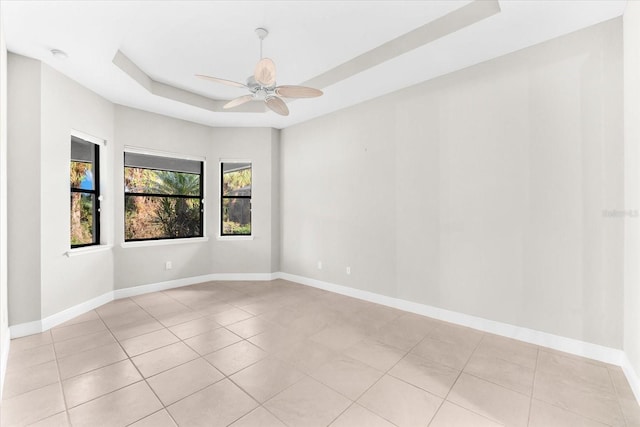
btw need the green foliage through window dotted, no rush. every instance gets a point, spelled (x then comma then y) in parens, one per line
(83, 180)
(236, 199)
(162, 204)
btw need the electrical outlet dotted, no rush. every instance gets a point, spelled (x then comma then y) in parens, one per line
(168, 265)
(319, 265)
(348, 270)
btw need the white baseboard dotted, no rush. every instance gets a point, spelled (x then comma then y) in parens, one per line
(4, 358)
(187, 281)
(568, 345)
(37, 326)
(632, 377)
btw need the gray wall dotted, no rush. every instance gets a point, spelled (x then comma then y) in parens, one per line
(480, 192)
(632, 183)
(144, 265)
(23, 171)
(45, 107)
(4, 317)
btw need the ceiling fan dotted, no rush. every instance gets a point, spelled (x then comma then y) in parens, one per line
(262, 85)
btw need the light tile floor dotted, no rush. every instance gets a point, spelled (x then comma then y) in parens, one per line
(281, 354)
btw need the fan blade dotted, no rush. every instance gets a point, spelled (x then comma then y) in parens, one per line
(238, 101)
(265, 72)
(276, 104)
(223, 81)
(297, 92)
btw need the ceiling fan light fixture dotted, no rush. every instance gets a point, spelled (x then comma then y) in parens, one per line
(262, 85)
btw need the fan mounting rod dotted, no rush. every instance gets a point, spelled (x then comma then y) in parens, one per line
(262, 34)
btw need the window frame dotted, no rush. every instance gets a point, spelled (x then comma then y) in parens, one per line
(200, 196)
(96, 214)
(222, 234)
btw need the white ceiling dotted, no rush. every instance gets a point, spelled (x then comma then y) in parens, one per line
(170, 41)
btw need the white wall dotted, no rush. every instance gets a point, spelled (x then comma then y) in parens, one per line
(23, 171)
(4, 316)
(632, 184)
(65, 105)
(480, 192)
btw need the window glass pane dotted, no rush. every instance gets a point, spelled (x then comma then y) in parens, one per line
(82, 161)
(82, 220)
(236, 179)
(236, 216)
(82, 175)
(152, 217)
(148, 181)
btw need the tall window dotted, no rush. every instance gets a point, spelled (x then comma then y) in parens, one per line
(163, 197)
(236, 199)
(85, 193)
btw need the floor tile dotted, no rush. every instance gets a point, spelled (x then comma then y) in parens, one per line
(31, 357)
(450, 415)
(235, 357)
(347, 376)
(135, 329)
(85, 387)
(122, 319)
(580, 392)
(181, 381)
(106, 411)
(400, 403)
(259, 417)
(211, 341)
(89, 315)
(148, 342)
(490, 400)
(163, 358)
(307, 403)
(83, 343)
(31, 341)
(174, 319)
(79, 363)
(266, 378)
(35, 405)
(356, 415)
(275, 340)
(513, 351)
(502, 372)
(158, 419)
(194, 327)
(304, 352)
(306, 355)
(61, 419)
(230, 316)
(375, 354)
(426, 374)
(338, 338)
(250, 327)
(574, 369)
(545, 415)
(18, 381)
(217, 405)
(451, 354)
(62, 333)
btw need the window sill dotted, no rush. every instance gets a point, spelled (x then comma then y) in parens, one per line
(234, 237)
(88, 250)
(144, 243)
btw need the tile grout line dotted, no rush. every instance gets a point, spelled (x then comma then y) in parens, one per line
(533, 385)
(355, 401)
(140, 373)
